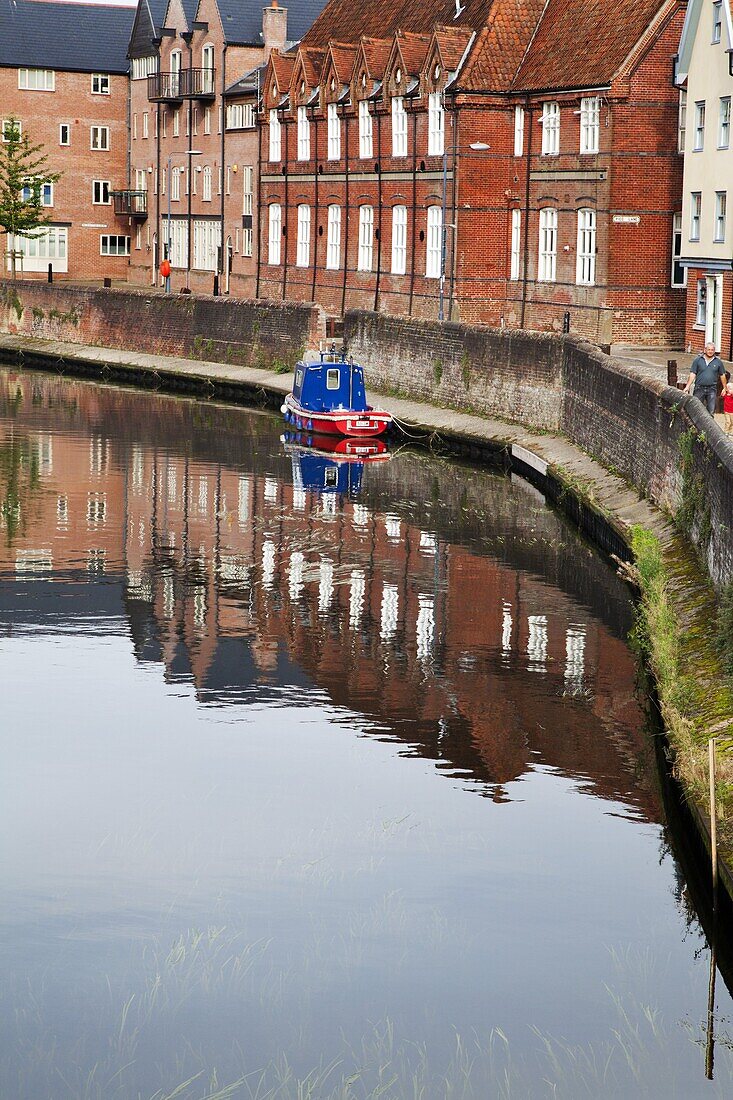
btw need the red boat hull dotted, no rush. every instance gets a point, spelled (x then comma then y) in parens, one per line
(342, 423)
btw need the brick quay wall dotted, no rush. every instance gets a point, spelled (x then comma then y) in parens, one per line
(225, 330)
(658, 439)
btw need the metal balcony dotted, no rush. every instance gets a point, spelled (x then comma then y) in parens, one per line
(165, 87)
(130, 204)
(198, 83)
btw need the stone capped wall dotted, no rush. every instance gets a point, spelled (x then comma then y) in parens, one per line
(227, 330)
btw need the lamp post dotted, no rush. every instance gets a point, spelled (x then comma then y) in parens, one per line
(189, 153)
(478, 146)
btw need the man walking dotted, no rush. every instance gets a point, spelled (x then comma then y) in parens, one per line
(706, 373)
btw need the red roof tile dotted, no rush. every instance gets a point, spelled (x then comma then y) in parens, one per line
(502, 44)
(342, 21)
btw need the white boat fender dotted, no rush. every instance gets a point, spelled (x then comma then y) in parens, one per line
(283, 409)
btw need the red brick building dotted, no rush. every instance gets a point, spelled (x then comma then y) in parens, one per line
(63, 76)
(511, 163)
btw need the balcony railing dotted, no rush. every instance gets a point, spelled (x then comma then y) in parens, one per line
(172, 87)
(130, 204)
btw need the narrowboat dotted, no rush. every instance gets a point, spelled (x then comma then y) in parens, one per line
(329, 398)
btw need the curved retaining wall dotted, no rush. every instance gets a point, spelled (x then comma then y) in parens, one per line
(660, 440)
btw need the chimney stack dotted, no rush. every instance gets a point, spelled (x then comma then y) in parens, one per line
(274, 27)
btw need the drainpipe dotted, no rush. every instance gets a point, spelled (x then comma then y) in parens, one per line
(315, 207)
(284, 235)
(220, 264)
(156, 250)
(347, 210)
(378, 167)
(189, 214)
(454, 212)
(256, 243)
(414, 211)
(525, 262)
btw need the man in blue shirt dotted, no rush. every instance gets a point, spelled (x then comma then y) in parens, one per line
(706, 372)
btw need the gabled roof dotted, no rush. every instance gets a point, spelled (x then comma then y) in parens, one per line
(376, 55)
(452, 43)
(584, 43)
(343, 56)
(412, 49)
(242, 19)
(690, 32)
(75, 37)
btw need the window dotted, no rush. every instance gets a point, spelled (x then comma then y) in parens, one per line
(303, 253)
(399, 240)
(721, 202)
(333, 249)
(206, 195)
(334, 133)
(695, 211)
(304, 135)
(585, 268)
(100, 84)
(48, 247)
(366, 236)
(275, 232)
(590, 115)
(114, 246)
(550, 129)
(145, 124)
(399, 127)
(679, 273)
(516, 245)
(206, 243)
(178, 242)
(701, 303)
(682, 121)
(436, 125)
(207, 120)
(9, 123)
(176, 184)
(518, 131)
(134, 127)
(724, 122)
(99, 138)
(37, 80)
(247, 189)
(64, 134)
(434, 243)
(40, 188)
(207, 69)
(275, 137)
(143, 67)
(176, 123)
(699, 127)
(365, 130)
(333, 378)
(100, 192)
(717, 20)
(239, 116)
(548, 245)
(174, 79)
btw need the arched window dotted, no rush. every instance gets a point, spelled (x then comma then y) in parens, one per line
(207, 69)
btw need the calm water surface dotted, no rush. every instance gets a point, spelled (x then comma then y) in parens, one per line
(318, 793)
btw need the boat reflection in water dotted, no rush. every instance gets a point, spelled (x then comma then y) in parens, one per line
(331, 464)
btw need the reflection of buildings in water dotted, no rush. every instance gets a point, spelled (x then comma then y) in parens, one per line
(236, 578)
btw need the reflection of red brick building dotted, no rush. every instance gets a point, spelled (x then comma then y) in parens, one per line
(241, 582)
(496, 163)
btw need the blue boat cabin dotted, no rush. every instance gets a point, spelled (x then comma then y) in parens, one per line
(330, 385)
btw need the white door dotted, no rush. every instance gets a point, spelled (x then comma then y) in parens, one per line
(714, 311)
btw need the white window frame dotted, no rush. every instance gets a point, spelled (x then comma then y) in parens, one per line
(434, 242)
(717, 22)
(206, 183)
(366, 239)
(104, 248)
(547, 255)
(207, 68)
(699, 142)
(145, 124)
(275, 150)
(99, 188)
(175, 183)
(721, 209)
(695, 214)
(6, 125)
(436, 125)
(304, 134)
(175, 66)
(43, 80)
(334, 132)
(206, 244)
(701, 302)
(518, 131)
(682, 121)
(585, 267)
(550, 128)
(45, 188)
(677, 252)
(49, 246)
(724, 122)
(590, 124)
(64, 126)
(207, 120)
(102, 139)
(366, 138)
(247, 189)
(333, 238)
(399, 127)
(303, 249)
(274, 234)
(101, 84)
(399, 240)
(515, 252)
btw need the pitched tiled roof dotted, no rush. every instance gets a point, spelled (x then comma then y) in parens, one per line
(72, 37)
(283, 66)
(452, 42)
(413, 48)
(312, 64)
(242, 19)
(343, 60)
(376, 53)
(583, 43)
(341, 20)
(501, 44)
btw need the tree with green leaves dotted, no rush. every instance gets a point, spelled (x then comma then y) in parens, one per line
(23, 173)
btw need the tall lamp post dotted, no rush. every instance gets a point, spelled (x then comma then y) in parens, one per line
(169, 183)
(478, 146)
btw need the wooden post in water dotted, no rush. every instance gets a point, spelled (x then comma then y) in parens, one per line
(713, 823)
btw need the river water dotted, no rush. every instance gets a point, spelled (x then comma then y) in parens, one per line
(320, 781)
